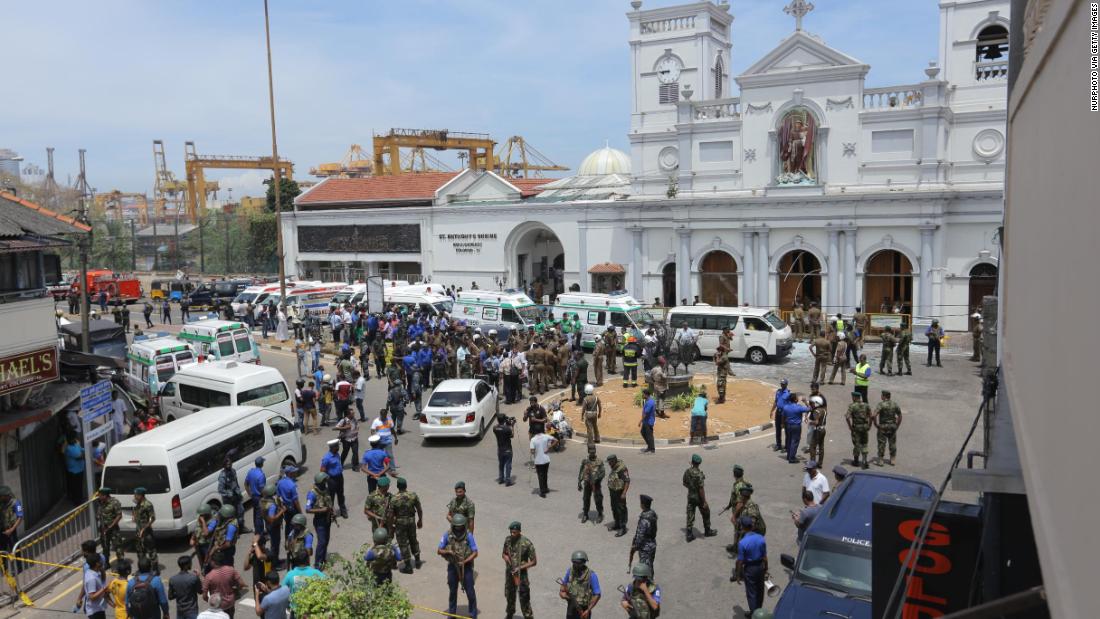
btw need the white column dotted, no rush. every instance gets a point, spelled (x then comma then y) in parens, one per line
(832, 283)
(927, 263)
(582, 257)
(850, 300)
(747, 292)
(763, 295)
(683, 265)
(636, 266)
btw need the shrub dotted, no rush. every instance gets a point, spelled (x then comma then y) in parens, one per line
(349, 591)
(676, 403)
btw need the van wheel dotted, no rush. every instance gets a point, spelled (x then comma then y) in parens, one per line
(757, 355)
(287, 461)
(171, 418)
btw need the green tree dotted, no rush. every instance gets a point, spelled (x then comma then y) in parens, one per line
(261, 244)
(288, 190)
(110, 245)
(221, 230)
(349, 592)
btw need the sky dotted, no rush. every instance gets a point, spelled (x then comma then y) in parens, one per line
(113, 75)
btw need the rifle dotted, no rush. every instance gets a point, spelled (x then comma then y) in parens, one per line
(568, 596)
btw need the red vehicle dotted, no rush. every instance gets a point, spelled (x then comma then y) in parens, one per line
(118, 286)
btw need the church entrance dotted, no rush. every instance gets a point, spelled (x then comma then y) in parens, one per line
(538, 262)
(799, 279)
(888, 282)
(718, 279)
(668, 285)
(983, 283)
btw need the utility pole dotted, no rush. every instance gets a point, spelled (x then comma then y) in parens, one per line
(275, 164)
(202, 246)
(85, 244)
(133, 245)
(176, 247)
(225, 224)
(156, 243)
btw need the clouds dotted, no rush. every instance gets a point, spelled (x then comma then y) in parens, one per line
(113, 75)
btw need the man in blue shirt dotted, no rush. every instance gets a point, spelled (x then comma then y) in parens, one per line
(376, 462)
(147, 579)
(332, 464)
(287, 489)
(793, 410)
(580, 588)
(74, 469)
(649, 417)
(272, 598)
(780, 423)
(254, 483)
(752, 564)
(460, 549)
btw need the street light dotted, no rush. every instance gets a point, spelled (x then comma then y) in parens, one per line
(275, 161)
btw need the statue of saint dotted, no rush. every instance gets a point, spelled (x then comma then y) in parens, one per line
(796, 148)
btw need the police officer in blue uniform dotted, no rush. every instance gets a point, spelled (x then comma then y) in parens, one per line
(287, 489)
(334, 466)
(752, 564)
(254, 484)
(319, 503)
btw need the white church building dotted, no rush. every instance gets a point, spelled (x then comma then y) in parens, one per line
(789, 181)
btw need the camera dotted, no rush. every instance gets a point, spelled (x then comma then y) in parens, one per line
(509, 420)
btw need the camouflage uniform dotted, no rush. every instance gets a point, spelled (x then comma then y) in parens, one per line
(380, 503)
(887, 413)
(405, 507)
(598, 353)
(520, 551)
(645, 537)
(145, 547)
(590, 479)
(859, 415)
(751, 509)
(611, 347)
(886, 364)
(722, 369)
(110, 537)
(465, 507)
(385, 559)
(693, 480)
(616, 483)
(904, 340)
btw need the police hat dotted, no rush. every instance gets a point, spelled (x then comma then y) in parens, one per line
(812, 464)
(783, 382)
(259, 461)
(840, 471)
(333, 443)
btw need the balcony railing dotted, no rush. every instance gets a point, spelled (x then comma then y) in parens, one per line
(717, 109)
(893, 98)
(671, 24)
(992, 70)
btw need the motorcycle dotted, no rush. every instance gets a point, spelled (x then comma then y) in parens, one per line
(558, 427)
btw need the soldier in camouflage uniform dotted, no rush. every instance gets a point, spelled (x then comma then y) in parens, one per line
(144, 516)
(408, 516)
(618, 481)
(611, 349)
(382, 557)
(859, 422)
(645, 534)
(110, 514)
(598, 354)
(462, 504)
(457, 547)
(379, 505)
(735, 502)
(746, 507)
(223, 538)
(722, 370)
(200, 539)
(299, 541)
(886, 363)
(272, 510)
(694, 480)
(589, 480)
(519, 556)
(642, 597)
(887, 420)
(904, 340)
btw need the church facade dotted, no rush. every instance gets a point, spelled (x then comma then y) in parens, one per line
(805, 185)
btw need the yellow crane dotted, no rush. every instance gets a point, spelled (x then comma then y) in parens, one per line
(168, 192)
(356, 163)
(198, 186)
(116, 201)
(387, 148)
(518, 159)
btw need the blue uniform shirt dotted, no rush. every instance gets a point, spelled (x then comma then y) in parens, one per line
(654, 591)
(271, 511)
(308, 538)
(593, 581)
(424, 358)
(649, 412)
(375, 460)
(469, 540)
(311, 500)
(781, 396)
(255, 481)
(287, 491)
(792, 412)
(230, 531)
(331, 464)
(370, 554)
(752, 547)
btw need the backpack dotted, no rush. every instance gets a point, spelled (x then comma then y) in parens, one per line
(143, 602)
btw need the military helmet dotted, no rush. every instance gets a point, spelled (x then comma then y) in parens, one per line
(579, 556)
(381, 535)
(762, 613)
(227, 511)
(204, 510)
(458, 520)
(746, 489)
(298, 519)
(269, 490)
(642, 571)
(320, 478)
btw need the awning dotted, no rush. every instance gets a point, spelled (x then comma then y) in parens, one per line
(607, 268)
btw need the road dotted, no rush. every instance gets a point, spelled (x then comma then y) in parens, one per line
(939, 404)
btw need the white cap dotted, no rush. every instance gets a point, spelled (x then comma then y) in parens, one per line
(334, 441)
(588, 389)
(374, 438)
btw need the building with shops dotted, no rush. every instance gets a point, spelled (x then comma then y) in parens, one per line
(32, 389)
(804, 184)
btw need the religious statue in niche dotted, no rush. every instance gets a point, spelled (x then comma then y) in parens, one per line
(797, 139)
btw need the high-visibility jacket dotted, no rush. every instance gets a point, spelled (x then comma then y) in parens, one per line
(863, 374)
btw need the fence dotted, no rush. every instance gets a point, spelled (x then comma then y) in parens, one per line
(879, 321)
(57, 543)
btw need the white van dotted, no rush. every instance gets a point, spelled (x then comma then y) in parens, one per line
(418, 300)
(178, 463)
(254, 295)
(512, 309)
(598, 310)
(151, 361)
(757, 333)
(224, 339)
(368, 293)
(308, 299)
(224, 383)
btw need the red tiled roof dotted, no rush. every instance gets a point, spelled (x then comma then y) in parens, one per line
(44, 211)
(607, 268)
(529, 186)
(397, 188)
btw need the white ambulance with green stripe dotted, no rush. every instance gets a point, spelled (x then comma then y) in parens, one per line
(506, 311)
(598, 310)
(151, 361)
(225, 340)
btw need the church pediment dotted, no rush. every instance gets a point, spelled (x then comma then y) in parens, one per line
(799, 52)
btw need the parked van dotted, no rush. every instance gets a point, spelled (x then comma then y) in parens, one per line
(152, 361)
(504, 311)
(758, 333)
(224, 339)
(308, 299)
(209, 293)
(224, 383)
(368, 293)
(418, 300)
(598, 310)
(253, 295)
(178, 463)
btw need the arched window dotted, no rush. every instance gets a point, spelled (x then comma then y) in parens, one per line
(991, 53)
(718, 70)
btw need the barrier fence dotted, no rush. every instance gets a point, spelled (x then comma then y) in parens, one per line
(47, 549)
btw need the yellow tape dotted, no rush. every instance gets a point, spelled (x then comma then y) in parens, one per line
(440, 612)
(14, 585)
(42, 536)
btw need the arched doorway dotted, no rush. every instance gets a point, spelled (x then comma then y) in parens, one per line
(537, 260)
(668, 285)
(718, 279)
(888, 281)
(799, 279)
(983, 283)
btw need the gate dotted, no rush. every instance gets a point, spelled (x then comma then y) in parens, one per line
(45, 485)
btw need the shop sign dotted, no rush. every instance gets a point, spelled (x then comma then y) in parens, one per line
(28, 369)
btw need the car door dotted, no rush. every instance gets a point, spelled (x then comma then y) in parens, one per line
(756, 333)
(282, 433)
(481, 403)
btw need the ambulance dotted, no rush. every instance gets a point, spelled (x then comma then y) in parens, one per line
(151, 361)
(310, 298)
(416, 298)
(506, 311)
(225, 340)
(596, 311)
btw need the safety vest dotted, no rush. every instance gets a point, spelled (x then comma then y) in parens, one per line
(630, 356)
(580, 588)
(202, 533)
(384, 559)
(640, 605)
(839, 325)
(862, 379)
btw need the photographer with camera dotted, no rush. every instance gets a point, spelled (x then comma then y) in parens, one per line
(504, 430)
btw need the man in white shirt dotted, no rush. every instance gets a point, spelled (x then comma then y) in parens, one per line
(360, 388)
(816, 483)
(541, 444)
(685, 344)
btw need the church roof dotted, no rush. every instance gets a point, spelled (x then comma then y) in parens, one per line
(801, 52)
(377, 190)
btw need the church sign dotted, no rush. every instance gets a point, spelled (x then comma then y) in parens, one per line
(28, 369)
(468, 243)
(372, 239)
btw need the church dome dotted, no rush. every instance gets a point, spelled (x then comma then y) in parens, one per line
(605, 161)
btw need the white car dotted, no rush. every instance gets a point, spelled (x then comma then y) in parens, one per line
(459, 407)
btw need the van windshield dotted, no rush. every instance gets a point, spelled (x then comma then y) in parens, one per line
(341, 298)
(641, 317)
(530, 314)
(245, 297)
(123, 479)
(836, 565)
(443, 306)
(775, 321)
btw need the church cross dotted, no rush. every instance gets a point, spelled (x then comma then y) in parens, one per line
(798, 9)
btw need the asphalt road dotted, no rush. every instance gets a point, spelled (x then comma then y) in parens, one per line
(938, 403)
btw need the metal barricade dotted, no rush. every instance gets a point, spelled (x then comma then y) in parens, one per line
(57, 542)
